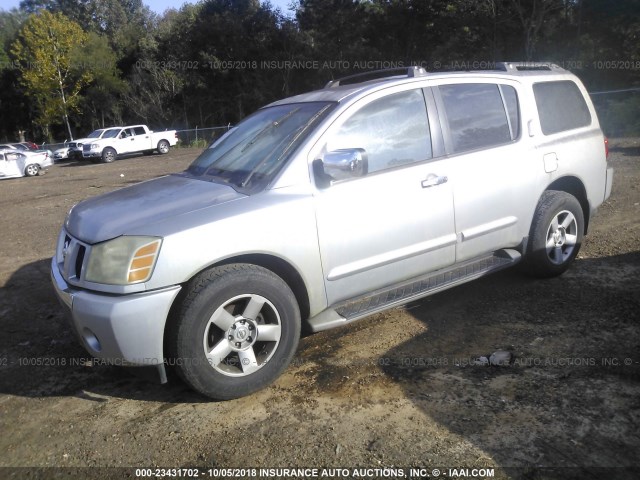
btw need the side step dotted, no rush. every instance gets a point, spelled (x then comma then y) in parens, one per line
(413, 289)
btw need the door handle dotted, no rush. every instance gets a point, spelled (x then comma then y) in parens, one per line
(432, 180)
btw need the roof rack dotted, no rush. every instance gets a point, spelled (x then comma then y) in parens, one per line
(528, 67)
(376, 75)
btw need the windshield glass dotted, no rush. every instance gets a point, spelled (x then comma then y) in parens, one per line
(95, 133)
(248, 156)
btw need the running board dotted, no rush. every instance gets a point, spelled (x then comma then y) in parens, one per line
(399, 294)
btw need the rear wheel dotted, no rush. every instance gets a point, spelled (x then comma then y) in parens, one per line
(32, 170)
(108, 155)
(236, 331)
(556, 234)
(163, 147)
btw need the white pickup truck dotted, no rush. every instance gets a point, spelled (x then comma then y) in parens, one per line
(131, 139)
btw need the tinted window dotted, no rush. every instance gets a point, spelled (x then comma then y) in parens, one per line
(476, 115)
(560, 106)
(393, 130)
(139, 131)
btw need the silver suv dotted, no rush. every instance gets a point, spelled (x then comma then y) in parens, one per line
(326, 207)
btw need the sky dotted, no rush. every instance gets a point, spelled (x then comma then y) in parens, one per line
(158, 6)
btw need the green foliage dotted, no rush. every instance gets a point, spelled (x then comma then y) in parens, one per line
(101, 98)
(620, 117)
(212, 62)
(46, 52)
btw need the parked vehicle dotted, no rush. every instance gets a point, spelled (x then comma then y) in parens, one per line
(61, 153)
(19, 163)
(330, 206)
(133, 139)
(13, 146)
(75, 146)
(25, 147)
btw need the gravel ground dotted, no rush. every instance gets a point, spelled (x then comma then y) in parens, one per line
(398, 389)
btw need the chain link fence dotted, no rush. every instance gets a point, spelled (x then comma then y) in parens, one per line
(192, 137)
(618, 111)
(200, 137)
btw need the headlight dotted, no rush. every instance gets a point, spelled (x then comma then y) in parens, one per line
(93, 146)
(123, 260)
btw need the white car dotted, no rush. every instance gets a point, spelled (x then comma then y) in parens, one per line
(61, 154)
(22, 163)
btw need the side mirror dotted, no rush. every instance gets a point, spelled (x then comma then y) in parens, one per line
(346, 163)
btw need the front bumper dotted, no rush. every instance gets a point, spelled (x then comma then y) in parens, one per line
(125, 330)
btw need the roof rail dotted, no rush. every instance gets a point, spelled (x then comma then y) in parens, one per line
(377, 74)
(528, 67)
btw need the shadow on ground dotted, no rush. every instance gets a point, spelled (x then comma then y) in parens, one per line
(570, 397)
(42, 357)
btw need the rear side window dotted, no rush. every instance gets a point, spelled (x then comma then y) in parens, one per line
(477, 115)
(561, 106)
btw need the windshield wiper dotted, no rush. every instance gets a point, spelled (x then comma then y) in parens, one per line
(276, 123)
(295, 134)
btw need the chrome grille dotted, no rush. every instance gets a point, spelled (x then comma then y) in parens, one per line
(71, 256)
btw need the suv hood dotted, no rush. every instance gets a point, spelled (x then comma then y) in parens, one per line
(120, 212)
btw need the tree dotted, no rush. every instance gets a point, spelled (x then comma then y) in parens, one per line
(45, 52)
(533, 15)
(102, 97)
(12, 101)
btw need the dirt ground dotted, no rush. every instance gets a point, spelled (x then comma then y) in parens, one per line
(398, 389)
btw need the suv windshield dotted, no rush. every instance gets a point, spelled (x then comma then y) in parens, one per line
(248, 156)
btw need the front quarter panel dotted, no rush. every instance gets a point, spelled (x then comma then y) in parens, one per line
(279, 223)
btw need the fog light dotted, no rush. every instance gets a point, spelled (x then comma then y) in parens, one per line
(91, 340)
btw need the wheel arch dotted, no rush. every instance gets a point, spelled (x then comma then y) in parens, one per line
(274, 264)
(284, 270)
(574, 186)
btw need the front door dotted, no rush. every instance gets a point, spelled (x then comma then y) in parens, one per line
(397, 221)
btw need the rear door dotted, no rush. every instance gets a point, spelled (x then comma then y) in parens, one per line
(492, 169)
(396, 222)
(13, 164)
(141, 139)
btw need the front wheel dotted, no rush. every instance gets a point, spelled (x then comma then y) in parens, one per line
(31, 170)
(163, 147)
(556, 234)
(236, 331)
(108, 155)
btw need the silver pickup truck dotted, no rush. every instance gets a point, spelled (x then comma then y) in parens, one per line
(323, 208)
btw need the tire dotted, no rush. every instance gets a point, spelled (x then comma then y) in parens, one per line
(556, 235)
(214, 338)
(32, 170)
(163, 147)
(108, 155)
